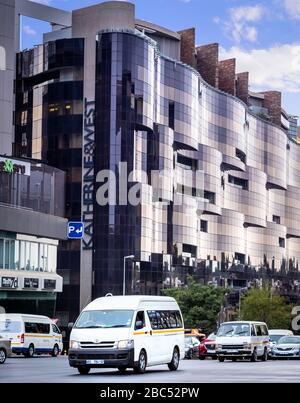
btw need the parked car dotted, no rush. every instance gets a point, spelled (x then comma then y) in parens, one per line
(277, 334)
(5, 349)
(191, 347)
(286, 347)
(243, 339)
(208, 347)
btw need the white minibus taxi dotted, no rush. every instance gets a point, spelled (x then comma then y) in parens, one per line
(243, 339)
(128, 332)
(30, 334)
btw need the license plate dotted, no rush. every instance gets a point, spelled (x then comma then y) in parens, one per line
(95, 362)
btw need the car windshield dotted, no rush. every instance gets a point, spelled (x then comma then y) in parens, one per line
(274, 338)
(234, 329)
(10, 326)
(104, 319)
(289, 340)
(188, 340)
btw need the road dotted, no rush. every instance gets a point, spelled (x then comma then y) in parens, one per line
(47, 369)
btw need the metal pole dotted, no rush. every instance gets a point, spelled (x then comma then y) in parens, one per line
(124, 275)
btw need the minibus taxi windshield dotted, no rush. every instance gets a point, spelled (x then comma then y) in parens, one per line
(104, 319)
(9, 326)
(234, 329)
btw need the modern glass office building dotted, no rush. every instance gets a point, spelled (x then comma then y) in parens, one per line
(31, 225)
(112, 89)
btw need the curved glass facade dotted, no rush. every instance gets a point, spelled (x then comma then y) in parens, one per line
(157, 113)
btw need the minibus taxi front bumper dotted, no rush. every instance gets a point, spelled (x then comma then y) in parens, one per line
(233, 351)
(105, 358)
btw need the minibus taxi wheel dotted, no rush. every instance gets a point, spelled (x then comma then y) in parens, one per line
(30, 352)
(84, 370)
(174, 364)
(265, 355)
(55, 351)
(221, 359)
(254, 356)
(141, 365)
(3, 356)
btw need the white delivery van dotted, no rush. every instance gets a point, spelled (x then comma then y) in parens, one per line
(128, 332)
(243, 340)
(30, 334)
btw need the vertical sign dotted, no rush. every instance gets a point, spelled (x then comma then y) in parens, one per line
(87, 208)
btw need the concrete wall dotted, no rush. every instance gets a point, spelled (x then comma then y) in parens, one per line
(32, 223)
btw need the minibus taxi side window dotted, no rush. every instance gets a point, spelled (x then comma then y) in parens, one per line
(162, 322)
(179, 319)
(43, 328)
(258, 330)
(31, 327)
(55, 329)
(140, 320)
(153, 319)
(253, 333)
(173, 320)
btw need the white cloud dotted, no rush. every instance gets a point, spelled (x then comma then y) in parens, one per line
(28, 30)
(240, 25)
(274, 68)
(293, 8)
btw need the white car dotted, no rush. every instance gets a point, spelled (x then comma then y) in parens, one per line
(127, 332)
(277, 334)
(242, 339)
(31, 334)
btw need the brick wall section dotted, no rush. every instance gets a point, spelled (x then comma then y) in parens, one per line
(207, 63)
(272, 102)
(187, 45)
(227, 76)
(242, 87)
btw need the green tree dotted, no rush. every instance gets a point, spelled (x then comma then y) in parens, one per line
(262, 304)
(199, 304)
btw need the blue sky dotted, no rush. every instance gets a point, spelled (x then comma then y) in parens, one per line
(263, 35)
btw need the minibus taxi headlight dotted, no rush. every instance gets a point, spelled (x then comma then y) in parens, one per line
(74, 344)
(247, 346)
(125, 344)
(218, 347)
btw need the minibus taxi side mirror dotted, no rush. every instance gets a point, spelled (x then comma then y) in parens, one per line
(70, 325)
(139, 325)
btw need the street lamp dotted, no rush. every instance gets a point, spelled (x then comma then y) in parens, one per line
(124, 272)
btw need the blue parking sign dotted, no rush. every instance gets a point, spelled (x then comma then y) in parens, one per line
(75, 230)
